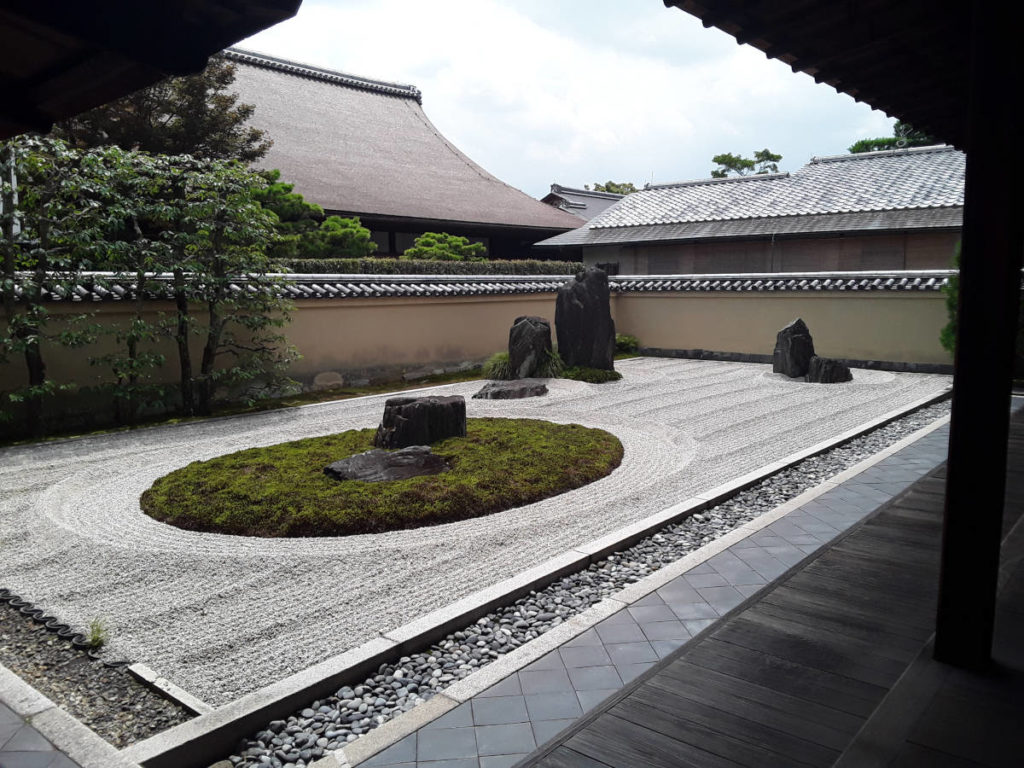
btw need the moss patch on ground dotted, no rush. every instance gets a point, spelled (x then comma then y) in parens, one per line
(281, 490)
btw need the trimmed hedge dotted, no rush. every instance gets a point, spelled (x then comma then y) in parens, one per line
(424, 267)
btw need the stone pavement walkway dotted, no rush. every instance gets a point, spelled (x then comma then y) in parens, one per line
(21, 745)
(501, 725)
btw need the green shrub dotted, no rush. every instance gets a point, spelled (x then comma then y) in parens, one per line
(281, 490)
(498, 367)
(625, 344)
(551, 367)
(440, 246)
(590, 375)
(386, 266)
(947, 336)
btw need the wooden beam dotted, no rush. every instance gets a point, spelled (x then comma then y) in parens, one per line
(990, 282)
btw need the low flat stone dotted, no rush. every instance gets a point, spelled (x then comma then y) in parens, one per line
(512, 390)
(826, 370)
(377, 466)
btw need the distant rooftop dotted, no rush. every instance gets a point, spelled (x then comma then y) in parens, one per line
(584, 203)
(362, 146)
(919, 188)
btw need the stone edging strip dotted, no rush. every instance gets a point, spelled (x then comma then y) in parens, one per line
(216, 733)
(169, 690)
(67, 734)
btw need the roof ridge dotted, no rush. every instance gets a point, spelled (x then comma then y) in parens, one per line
(883, 153)
(324, 75)
(726, 180)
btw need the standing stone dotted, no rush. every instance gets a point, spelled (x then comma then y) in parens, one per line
(421, 421)
(825, 370)
(529, 344)
(794, 349)
(583, 321)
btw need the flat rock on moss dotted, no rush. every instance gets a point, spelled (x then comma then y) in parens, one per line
(378, 466)
(512, 390)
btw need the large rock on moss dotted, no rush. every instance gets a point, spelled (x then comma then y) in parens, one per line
(825, 370)
(794, 349)
(583, 321)
(529, 344)
(421, 421)
(512, 390)
(379, 466)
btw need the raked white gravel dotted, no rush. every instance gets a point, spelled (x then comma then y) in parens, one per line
(223, 615)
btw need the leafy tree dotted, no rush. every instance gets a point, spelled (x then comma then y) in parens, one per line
(947, 337)
(904, 135)
(303, 231)
(196, 115)
(441, 246)
(618, 187)
(219, 235)
(52, 217)
(764, 161)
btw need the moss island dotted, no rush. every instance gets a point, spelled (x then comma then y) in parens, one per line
(281, 490)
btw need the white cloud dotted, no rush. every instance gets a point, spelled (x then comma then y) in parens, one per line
(591, 91)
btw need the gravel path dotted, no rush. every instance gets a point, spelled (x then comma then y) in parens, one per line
(222, 616)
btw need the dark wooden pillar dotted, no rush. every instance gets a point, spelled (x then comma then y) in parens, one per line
(989, 297)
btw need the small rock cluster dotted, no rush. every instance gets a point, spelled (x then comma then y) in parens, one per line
(794, 356)
(330, 723)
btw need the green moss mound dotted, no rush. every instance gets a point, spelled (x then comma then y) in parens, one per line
(281, 490)
(590, 375)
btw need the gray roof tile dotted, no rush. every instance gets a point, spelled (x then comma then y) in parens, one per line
(919, 188)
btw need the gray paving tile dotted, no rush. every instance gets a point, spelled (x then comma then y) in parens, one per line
(648, 600)
(701, 568)
(497, 710)
(590, 637)
(620, 633)
(501, 761)
(664, 647)
(584, 656)
(27, 759)
(548, 661)
(744, 576)
(632, 671)
(63, 761)
(631, 653)
(544, 680)
(27, 739)
(460, 717)
(544, 730)
(651, 613)
(465, 762)
(513, 739)
(724, 599)
(665, 630)
(508, 687)
(590, 699)
(695, 626)
(446, 743)
(553, 706)
(403, 751)
(619, 617)
(706, 580)
(678, 591)
(752, 589)
(688, 611)
(9, 728)
(595, 678)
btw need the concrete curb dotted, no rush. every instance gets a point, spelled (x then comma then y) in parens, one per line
(67, 734)
(216, 733)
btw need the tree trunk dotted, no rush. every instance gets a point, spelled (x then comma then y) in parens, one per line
(188, 405)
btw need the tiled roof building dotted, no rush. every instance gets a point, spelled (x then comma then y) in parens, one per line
(364, 147)
(898, 209)
(582, 203)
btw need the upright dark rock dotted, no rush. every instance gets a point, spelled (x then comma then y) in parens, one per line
(825, 370)
(794, 349)
(529, 344)
(583, 321)
(421, 421)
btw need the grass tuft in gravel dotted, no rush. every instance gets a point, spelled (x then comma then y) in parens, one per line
(281, 490)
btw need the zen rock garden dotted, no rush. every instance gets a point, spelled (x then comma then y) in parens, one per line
(794, 356)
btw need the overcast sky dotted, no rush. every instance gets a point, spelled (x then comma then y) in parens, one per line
(578, 91)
